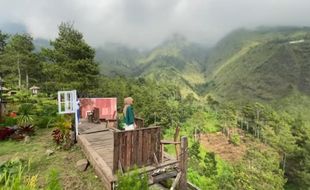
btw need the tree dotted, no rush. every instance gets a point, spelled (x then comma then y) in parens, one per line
(3, 41)
(259, 170)
(19, 60)
(70, 63)
(210, 164)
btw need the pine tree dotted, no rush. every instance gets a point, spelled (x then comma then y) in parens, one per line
(70, 63)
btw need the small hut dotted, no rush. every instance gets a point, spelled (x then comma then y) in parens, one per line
(34, 90)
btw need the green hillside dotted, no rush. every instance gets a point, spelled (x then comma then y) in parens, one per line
(175, 60)
(116, 59)
(266, 65)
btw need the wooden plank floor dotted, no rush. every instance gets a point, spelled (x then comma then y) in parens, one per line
(86, 127)
(102, 142)
(97, 144)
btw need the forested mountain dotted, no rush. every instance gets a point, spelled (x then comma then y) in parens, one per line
(116, 59)
(267, 65)
(175, 60)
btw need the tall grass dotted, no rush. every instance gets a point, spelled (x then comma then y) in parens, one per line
(132, 180)
(53, 180)
(14, 176)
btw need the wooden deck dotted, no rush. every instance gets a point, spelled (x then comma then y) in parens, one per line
(109, 151)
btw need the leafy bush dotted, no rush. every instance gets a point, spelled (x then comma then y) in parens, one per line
(210, 164)
(5, 133)
(46, 113)
(8, 121)
(25, 117)
(61, 134)
(133, 180)
(235, 139)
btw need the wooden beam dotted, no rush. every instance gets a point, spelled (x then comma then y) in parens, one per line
(169, 142)
(120, 167)
(116, 158)
(155, 159)
(163, 176)
(149, 169)
(101, 130)
(176, 181)
(192, 186)
(101, 168)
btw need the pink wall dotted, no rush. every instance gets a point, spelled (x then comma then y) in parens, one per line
(107, 107)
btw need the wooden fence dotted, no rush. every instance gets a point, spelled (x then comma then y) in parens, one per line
(136, 148)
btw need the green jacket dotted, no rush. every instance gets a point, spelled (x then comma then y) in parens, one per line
(129, 118)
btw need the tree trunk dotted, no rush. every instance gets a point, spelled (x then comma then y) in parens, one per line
(284, 161)
(19, 73)
(27, 80)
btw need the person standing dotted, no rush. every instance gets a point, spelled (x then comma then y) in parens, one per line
(129, 116)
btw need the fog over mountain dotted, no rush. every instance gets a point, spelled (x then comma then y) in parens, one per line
(145, 23)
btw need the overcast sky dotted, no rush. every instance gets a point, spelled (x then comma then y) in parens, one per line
(145, 23)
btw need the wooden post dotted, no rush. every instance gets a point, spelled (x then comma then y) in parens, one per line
(183, 164)
(176, 136)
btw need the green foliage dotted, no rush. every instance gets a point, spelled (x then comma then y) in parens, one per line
(19, 64)
(61, 133)
(13, 176)
(154, 102)
(8, 121)
(194, 151)
(46, 113)
(235, 139)
(210, 164)
(70, 63)
(3, 39)
(132, 179)
(25, 115)
(53, 180)
(259, 170)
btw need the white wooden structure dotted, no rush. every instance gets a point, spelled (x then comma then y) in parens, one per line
(68, 104)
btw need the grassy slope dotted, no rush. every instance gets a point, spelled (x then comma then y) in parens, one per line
(174, 61)
(41, 164)
(117, 60)
(263, 66)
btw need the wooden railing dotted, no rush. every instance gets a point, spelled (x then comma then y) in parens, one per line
(139, 122)
(139, 147)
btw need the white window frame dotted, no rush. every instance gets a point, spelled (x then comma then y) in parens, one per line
(68, 104)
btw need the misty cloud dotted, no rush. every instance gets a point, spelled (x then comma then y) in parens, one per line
(145, 23)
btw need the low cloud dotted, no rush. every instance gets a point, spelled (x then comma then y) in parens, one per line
(145, 23)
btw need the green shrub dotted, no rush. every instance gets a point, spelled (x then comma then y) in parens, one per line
(46, 113)
(25, 114)
(53, 180)
(235, 139)
(8, 122)
(210, 164)
(133, 180)
(44, 121)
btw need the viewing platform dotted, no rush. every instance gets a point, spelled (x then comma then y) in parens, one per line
(110, 151)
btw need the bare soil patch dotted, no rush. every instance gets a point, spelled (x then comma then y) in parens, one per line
(220, 145)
